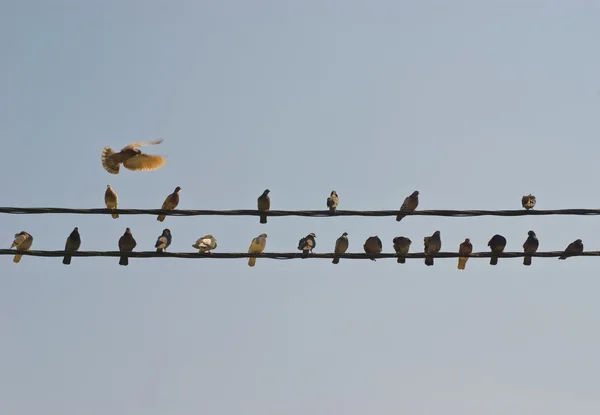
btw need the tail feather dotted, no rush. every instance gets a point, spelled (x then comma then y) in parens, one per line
(161, 218)
(17, 258)
(462, 262)
(251, 262)
(331, 209)
(401, 260)
(305, 253)
(494, 260)
(124, 261)
(336, 260)
(399, 217)
(429, 261)
(527, 260)
(115, 216)
(263, 219)
(67, 260)
(109, 164)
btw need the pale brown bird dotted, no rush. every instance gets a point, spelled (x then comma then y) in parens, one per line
(401, 246)
(530, 245)
(111, 200)
(132, 158)
(333, 201)
(575, 247)
(432, 245)
(264, 204)
(341, 246)
(257, 246)
(126, 244)
(465, 248)
(22, 242)
(528, 202)
(373, 246)
(497, 245)
(170, 203)
(307, 244)
(409, 205)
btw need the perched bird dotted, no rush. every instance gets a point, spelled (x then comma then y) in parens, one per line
(73, 243)
(126, 244)
(409, 205)
(22, 242)
(575, 247)
(373, 246)
(530, 245)
(264, 204)
(307, 244)
(432, 245)
(497, 245)
(341, 246)
(528, 201)
(465, 248)
(170, 203)
(132, 158)
(163, 241)
(401, 246)
(333, 201)
(206, 244)
(111, 200)
(257, 246)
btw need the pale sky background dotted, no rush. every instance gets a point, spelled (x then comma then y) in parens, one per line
(473, 103)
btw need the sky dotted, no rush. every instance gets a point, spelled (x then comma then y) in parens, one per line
(474, 104)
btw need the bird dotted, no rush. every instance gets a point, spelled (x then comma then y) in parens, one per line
(111, 200)
(73, 243)
(307, 244)
(264, 204)
(433, 244)
(530, 245)
(170, 203)
(333, 201)
(409, 205)
(257, 246)
(163, 241)
(132, 158)
(465, 248)
(401, 246)
(22, 242)
(497, 245)
(126, 244)
(528, 202)
(341, 246)
(575, 247)
(206, 244)
(373, 246)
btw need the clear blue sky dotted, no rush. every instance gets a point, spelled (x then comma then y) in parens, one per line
(473, 103)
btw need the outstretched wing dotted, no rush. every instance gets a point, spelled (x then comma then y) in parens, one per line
(142, 143)
(145, 162)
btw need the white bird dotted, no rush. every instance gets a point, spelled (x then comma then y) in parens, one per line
(206, 243)
(22, 242)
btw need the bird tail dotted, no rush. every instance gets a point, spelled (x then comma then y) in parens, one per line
(160, 250)
(429, 261)
(494, 260)
(562, 257)
(263, 219)
(462, 263)
(124, 261)
(17, 258)
(399, 217)
(161, 218)
(251, 262)
(336, 260)
(527, 260)
(67, 259)
(401, 260)
(331, 209)
(305, 253)
(115, 216)
(109, 164)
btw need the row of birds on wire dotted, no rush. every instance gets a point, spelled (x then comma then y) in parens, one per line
(372, 246)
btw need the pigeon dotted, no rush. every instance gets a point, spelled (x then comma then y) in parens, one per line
(409, 205)
(373, 246)
(401, 246)
(132, 158)
(126, 244)
(170, 203)
(73, 243)
(206, 243)
(465, 248)
(432, 245)
(575, 247)
(528, 202)
(307, 244)
(264, 204)
(257, 246)
(22, 242)
(163, 241)
(341, 246)
(530, 245)
(111, 200)
(497, 245)
(333, 201)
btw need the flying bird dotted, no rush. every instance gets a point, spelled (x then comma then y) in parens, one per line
(497, 245)
(307, 244)
(575, 247)
(530, 245)
(257, 246)
(465, 248)
(401, 246)
(373, 246)
(22, 242)
(333, 201)
(126, 244)
(111, 200)
(528, 202)
(206, 244)
(341, 246)
(409, 205)
(432, 245)
(132, 158)
(73, 243)
(264, 205)
(163, 241)
(170, 203)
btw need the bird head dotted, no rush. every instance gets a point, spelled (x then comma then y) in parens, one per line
(266, 192)
(578, 241)
(333, 193)
(76, 229)
(312, 234)
(531, 233)
(127, 230)
(262, 235)
(436, 233)
(345, 234)
(108, 186)
(166, 232)
(415, 193)
(467, 240)
(177, 189)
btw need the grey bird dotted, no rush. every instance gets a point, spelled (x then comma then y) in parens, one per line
(22, 242)
(373, 246)
(497, 245)
(575, 247)
(529, 246)
(333, 201)
(401, 246)
(264, 204)
(206, 244)
(163, 241)
(432, 245)
(341, 246)
(73, 243)
(307, 244)
(528, 202)
(126, 244)
(409, 205)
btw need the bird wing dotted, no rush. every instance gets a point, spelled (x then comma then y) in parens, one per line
(19, 239)
(145, 162)
(142, 143)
